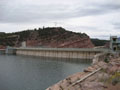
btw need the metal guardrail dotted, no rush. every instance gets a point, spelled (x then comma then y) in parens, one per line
(66, 49)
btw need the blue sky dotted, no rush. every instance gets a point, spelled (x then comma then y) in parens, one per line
(97, 18)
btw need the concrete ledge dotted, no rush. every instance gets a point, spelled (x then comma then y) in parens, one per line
(66, 49)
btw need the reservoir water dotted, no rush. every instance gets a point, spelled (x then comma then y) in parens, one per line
(34, 73)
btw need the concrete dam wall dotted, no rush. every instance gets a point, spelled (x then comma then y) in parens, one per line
(73, 53)
(2, 51)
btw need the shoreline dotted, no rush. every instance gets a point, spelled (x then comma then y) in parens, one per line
(74, 82)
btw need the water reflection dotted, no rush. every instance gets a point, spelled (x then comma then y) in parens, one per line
(35, 73)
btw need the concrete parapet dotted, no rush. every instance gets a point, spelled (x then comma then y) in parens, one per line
(2, 51)
(10, 50)
(75, 53)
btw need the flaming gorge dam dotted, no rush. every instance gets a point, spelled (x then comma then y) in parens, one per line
(37, 59)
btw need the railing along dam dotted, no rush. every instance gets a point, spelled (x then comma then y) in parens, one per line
(73, 53)
(2, 51)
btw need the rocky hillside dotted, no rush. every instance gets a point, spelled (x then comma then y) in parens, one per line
(98, 42)
(55, 37)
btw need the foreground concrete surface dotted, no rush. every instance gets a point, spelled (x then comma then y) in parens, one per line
(106, 78)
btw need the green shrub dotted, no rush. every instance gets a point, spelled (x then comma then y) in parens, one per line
(106, 60)
(114, 79)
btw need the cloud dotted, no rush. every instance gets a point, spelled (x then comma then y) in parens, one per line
(20, 12)
(94, 17)
(34, 13)
(116, 25)
(98, 9)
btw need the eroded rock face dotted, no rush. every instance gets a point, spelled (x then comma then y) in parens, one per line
(47, 37)
(89, 69)
(97, 81)
(92, 86)
(2, 47)
(59, 38)
(66, 84)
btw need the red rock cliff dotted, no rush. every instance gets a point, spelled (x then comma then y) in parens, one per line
(54, 37)
(58, 38)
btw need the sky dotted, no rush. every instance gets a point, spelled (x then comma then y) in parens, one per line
(97, 18)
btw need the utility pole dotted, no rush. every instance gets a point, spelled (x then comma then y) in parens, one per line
(55, 24)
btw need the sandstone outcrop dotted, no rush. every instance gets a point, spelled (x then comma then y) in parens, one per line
(101, 75)
(2, 47)
(59, 38)
(53, 37)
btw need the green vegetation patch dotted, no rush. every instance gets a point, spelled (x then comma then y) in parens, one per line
(114, 79)
(98, 42)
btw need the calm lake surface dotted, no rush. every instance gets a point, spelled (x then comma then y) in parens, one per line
(34, 73)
